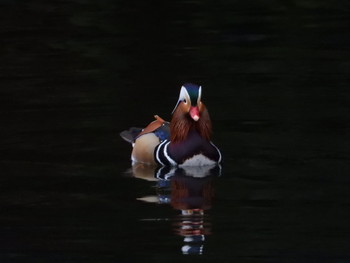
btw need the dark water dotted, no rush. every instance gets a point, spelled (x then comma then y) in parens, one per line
(275, 78)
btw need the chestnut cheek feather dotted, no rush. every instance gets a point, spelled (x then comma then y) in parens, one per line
(180, 126)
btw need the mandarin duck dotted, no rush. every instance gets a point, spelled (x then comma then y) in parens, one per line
(184, 141)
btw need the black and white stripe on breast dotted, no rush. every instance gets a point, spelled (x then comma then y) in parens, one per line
(162, 156)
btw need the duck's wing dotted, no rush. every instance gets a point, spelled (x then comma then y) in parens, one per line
(159, 126)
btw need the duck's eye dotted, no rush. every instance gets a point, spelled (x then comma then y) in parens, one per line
(185, 101)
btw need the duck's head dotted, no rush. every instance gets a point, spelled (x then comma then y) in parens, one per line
(190, 113)
(190, 101)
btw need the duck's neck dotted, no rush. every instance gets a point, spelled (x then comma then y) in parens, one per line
(182, 125)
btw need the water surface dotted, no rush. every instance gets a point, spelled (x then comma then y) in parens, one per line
(275, 79)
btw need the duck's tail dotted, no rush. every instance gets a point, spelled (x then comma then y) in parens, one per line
(131, 134)
(159, 124)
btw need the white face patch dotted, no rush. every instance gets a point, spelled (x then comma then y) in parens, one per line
(199, 95)
(186, 99)
(198, 160)
(184, 96)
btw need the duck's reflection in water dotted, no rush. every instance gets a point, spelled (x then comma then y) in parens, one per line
(189, 190)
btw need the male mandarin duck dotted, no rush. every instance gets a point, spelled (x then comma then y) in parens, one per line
(185, 141)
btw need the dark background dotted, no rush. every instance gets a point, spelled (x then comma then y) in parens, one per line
(275, 77)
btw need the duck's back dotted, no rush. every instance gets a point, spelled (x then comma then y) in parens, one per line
(145, 140)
